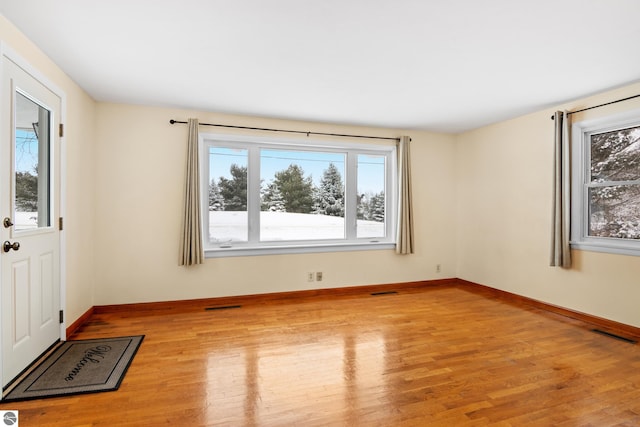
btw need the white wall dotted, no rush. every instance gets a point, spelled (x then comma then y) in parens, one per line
(482, 211)
(140, 172)
(78, 146)
(504, 174)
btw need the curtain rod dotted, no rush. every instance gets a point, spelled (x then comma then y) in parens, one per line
(601, 105)
(289, 131)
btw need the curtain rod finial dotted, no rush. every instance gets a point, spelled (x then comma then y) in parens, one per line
(172, 121)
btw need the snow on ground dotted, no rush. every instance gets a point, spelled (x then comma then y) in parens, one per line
(232, 226)
(228, 226)
(25, 220)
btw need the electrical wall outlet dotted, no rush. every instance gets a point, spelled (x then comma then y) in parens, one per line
(319, 276)
(310, 276)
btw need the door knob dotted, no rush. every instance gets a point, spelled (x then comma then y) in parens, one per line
(7, 222)
(7, 246)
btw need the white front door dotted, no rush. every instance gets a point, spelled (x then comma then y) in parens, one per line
(29, 212)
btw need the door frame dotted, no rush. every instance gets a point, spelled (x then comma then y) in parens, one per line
(7, 53)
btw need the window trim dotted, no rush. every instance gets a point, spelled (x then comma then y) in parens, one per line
(580, 164)
(254, 143)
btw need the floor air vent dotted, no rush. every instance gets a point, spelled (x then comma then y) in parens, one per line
(375, 294)
(618, 337)
(222, 307)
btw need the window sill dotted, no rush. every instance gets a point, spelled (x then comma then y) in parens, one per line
(618, 248)
(295, 249)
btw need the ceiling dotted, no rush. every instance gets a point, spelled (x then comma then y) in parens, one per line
(439, 65)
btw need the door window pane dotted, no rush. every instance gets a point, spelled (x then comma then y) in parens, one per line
(32, 165)
(228, 220)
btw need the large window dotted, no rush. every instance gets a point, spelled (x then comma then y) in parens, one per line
(606, 190)
(277, 196)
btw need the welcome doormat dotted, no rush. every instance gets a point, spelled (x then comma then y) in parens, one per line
(76, 367)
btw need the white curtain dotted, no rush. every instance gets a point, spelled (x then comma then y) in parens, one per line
(561, 216)
(404, 243)
(191, 251)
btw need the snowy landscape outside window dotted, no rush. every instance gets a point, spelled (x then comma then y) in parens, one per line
(283, 196)
(608, 200)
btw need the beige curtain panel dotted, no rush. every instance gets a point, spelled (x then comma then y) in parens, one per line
(561, 219)
(191, 251)
(404, 243)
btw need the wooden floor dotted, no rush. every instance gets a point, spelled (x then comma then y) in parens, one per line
(425, 357)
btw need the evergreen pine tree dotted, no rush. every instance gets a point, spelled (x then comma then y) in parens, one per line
(234, 190)
(272, 199)
(330, 195)
(377, 207)
(27, 191)
(216, 201)
(296, 189)
(360, 206)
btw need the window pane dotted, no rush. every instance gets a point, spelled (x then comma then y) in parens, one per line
(286, 197)
(614, 211)
(32, 161)
(371, 196)
(301, 195)
(615, 156)
(228, 221)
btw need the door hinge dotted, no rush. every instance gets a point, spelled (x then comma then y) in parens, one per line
(61, 316)
(60, 223)
(61, 130)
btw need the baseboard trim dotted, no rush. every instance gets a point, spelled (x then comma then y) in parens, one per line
(589, 320)
(181, 306)
(201, 304)
(75, 326)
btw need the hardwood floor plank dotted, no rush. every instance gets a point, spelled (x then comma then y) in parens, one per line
(425, 356)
